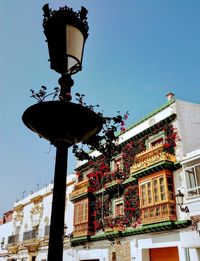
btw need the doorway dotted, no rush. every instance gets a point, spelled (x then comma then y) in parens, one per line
(164, 254)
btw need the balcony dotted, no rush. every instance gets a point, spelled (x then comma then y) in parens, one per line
(111, 176)
(13, 239)
(114, 223)
(13, 244)
(151, 157)
(31, 240)
(158, 213)
(82, 230)
(156, 194)
(80, 190)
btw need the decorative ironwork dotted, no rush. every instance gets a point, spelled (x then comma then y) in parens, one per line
(31, 234)
(13, 239)
(76, 18)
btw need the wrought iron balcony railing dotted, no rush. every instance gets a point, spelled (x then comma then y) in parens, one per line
(13, 239)
(31, 234)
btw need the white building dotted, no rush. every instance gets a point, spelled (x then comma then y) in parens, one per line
(25, 235)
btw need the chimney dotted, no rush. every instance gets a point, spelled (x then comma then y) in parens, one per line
(170, 96)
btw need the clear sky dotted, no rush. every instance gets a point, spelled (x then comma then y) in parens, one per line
(136, 53)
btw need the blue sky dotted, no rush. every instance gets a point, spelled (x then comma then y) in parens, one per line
(136, 53)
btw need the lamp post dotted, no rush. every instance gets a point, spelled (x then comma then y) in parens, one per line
(62, 122)
(179, 197)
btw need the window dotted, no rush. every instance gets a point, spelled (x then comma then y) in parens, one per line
(156, 197)
(81, 218)
(2, 242)
(114, 256)
(46, 230)
(155, 140)
(81, 212)
(146, 194)
(192, 175)
(117, 164)
(119, 207)
(155, 190)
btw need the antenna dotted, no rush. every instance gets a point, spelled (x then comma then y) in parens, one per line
(23, 193)
(38, 186)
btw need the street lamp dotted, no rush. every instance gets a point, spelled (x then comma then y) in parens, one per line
(66, 32)
(62, 122)
(179, 197)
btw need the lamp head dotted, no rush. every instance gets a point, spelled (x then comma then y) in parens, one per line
(179, 197)
(66, 32)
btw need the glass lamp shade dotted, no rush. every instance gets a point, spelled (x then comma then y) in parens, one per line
(179, 197)
(66, 32)
(74, 49)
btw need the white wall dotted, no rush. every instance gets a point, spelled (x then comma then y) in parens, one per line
(101, 254)
(5, 231)
(188, 115)
(190, 239)
(171, 239)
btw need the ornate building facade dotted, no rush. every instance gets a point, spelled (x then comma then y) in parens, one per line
(128, 205)
(24, 231)
(124, 208)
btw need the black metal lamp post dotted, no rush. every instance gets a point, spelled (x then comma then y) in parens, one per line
(179, 197)
(62, 122)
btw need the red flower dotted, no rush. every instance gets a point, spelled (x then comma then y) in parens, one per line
(166, 145)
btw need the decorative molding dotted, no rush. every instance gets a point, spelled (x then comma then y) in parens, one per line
(150, 157)
(18, 215)
(13, 249)
(32, 245)
(46, 220)
(18, 208)
(36, 214)
(81, 189)
(152, 122)
(37, 199)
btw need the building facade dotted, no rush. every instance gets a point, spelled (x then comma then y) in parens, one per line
(123, 209)
(126, 209)
(24, 232)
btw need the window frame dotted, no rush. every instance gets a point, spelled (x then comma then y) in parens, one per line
(193, 188)
(116, 202)
(116, 163)
(81, 212)
(154, 138)
(143, 182)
